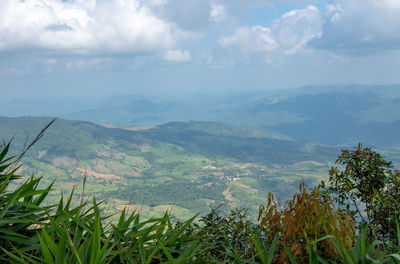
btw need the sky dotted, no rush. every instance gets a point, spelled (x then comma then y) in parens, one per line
(95, 48)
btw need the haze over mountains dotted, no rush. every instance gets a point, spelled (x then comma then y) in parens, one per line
(335, 114)
(236, 148)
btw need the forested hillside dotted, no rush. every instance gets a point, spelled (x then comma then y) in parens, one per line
(318, 225)
(189, 167)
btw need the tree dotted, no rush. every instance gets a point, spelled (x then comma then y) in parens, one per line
(366, 185)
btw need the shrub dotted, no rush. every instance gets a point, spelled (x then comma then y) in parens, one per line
(309, 228)
(366, 185)
(228, 237)
(304, 219)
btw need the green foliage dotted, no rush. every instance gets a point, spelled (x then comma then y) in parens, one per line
(33, 233)
(229, 236)
(302, 221)
(20, 207)
(187, 166)
(363, 251)
(63, 233)
(184, 192)
(364, 179)
(66, 234)
(233, 239)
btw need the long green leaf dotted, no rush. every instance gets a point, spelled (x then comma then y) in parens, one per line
(167, 253)
(4, 151)
(291, 257)
(271, 250)
(45, 251)
(96, 236)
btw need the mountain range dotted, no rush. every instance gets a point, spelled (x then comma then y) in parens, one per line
(142, 152)
(335, 115)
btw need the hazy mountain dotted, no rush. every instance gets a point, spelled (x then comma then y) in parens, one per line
(145, 110)
(335, 115)
(330, 114)
(225, 130)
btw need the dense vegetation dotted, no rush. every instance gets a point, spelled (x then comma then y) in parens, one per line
(309, 228)
(190, 167)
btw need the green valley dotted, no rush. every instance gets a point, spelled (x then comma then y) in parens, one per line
(185, 167)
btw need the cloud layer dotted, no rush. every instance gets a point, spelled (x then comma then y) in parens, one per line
(184, 31)
(287, 35)
(361, 25)
(83, 26)
(342, 27)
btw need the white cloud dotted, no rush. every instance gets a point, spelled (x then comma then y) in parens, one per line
(367, 25)
(287, 35)
(83, 26)
(177, 56)
(295, 28)
(347, 27)
(250, 39)
(218, 13)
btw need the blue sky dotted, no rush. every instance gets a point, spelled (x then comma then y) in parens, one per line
(95, 48)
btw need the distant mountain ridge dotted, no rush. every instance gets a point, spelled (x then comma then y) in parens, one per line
(334, 115)
(325, 114)
(221, 129)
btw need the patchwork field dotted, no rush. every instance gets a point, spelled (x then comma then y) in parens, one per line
(182, 167)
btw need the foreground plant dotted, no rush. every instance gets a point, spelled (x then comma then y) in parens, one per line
(31, 232)
(309, 228)
(362, 178)
(21, 205)
(234, 239)
(363, 251)
(303, 220)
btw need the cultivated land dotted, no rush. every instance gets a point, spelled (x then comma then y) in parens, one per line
(183, 167)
